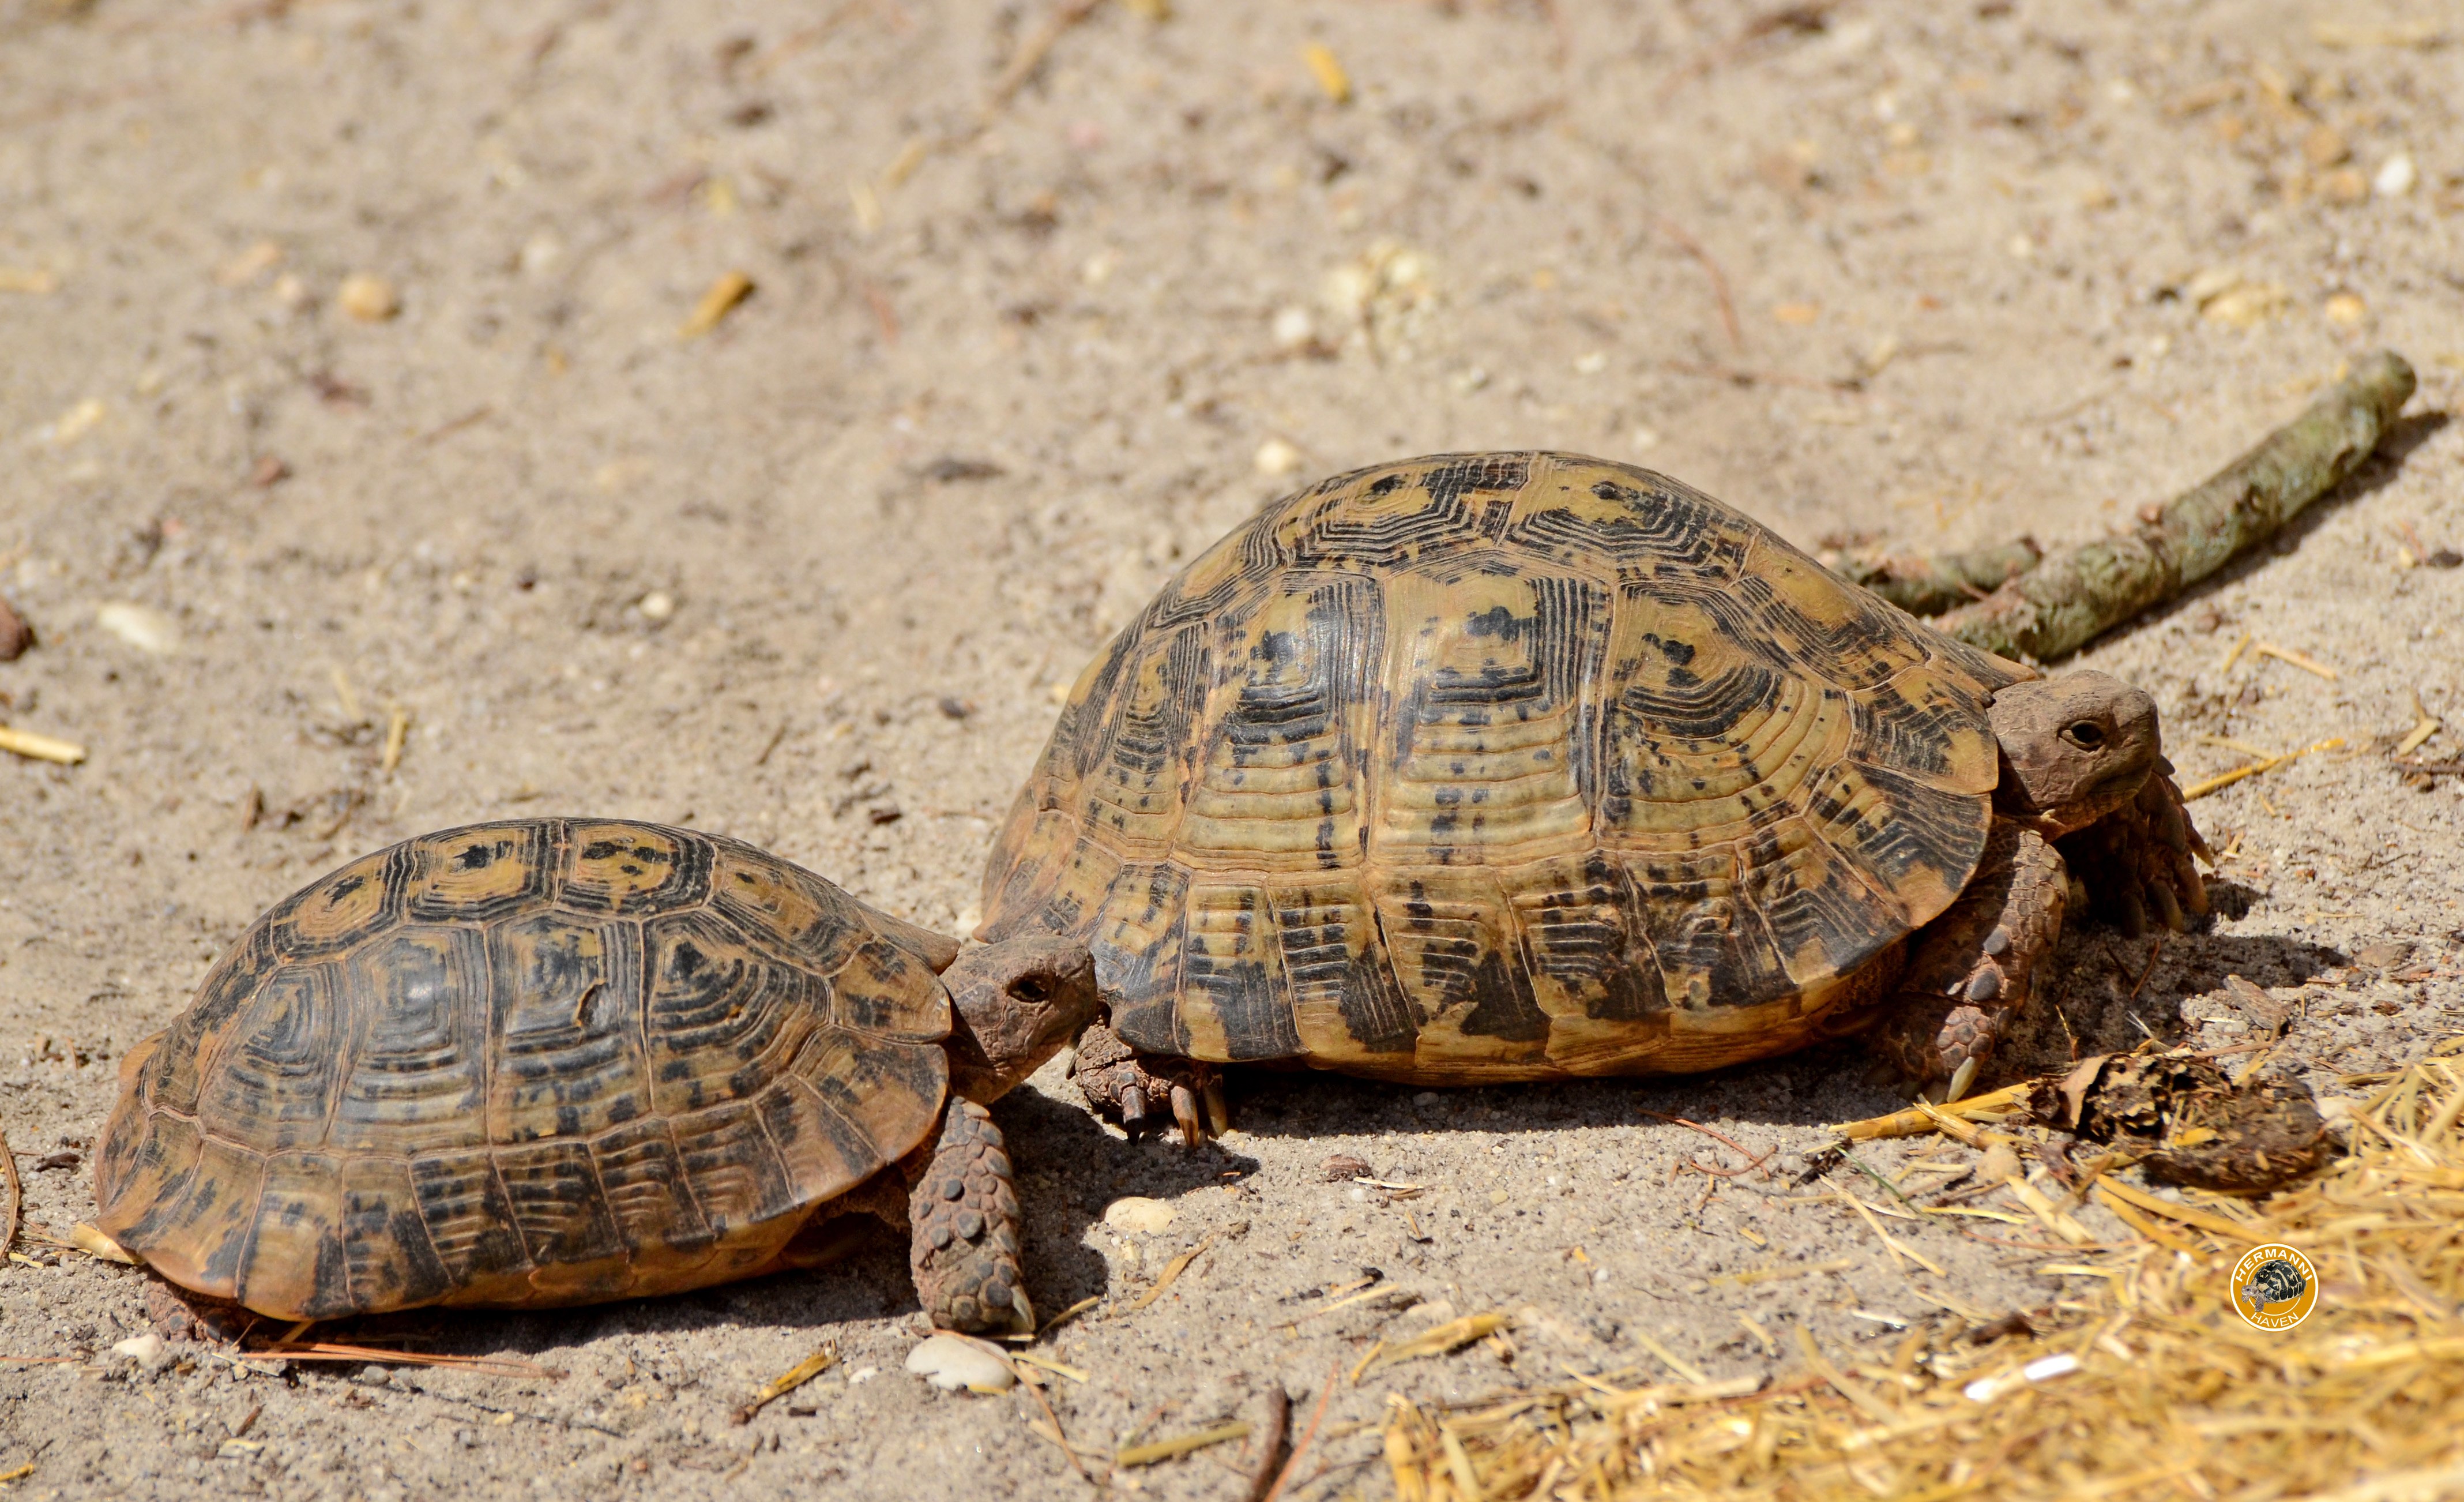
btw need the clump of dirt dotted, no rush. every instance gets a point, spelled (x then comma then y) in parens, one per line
(2189, 1121)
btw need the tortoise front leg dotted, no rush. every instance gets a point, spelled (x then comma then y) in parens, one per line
(1974, 964)
(2135, 861)
(963, 1218)
(1135, 1090)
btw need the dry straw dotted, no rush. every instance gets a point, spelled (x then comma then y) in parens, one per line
(2155, 1388)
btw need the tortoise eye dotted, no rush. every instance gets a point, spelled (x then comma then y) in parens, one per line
(2085, 733)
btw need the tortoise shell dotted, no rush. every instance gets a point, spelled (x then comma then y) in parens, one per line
(1501, 766)
(538, 1062)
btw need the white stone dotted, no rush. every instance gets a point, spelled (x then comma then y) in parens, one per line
(1134, 1214)
(950, 1362)
(146, 631)
(1275, 456)
(146, 1348)
(2395, 177)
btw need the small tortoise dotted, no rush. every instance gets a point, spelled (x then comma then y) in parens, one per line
(1523, 766)
(554, 1061)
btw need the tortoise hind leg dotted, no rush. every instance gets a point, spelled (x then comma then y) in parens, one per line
(963, 1219)
(1974, 965)
(1137, 1090)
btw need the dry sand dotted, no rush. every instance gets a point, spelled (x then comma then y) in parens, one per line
(1994, 268)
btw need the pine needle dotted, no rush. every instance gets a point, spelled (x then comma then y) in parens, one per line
(1173, 1269)
(16, 1194)
(788, 1382)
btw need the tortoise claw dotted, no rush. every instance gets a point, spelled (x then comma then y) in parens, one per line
(2168, 908)
(1134, 1088)
(1184, 1112)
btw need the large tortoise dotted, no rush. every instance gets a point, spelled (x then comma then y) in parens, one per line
(554, 1061)
(1517, 767)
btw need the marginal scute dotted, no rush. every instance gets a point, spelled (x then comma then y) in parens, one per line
(534, 1062)
(1501, 766)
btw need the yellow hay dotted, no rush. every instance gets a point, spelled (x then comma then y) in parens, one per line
(2158, 1389)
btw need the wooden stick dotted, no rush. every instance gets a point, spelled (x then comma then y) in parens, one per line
(1035, 1390)
(1032, 51)
(16, 1193)
(1325, 1391)
(1279, 1438)
(2075, 596)
(1928, 584)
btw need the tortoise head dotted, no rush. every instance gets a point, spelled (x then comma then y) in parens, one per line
(2074, 749)
(1016, 1002)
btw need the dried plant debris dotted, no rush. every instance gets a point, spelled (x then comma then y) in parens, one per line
(2193, 1123)
(2147, 1383)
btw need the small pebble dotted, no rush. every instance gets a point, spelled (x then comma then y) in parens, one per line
(2325, 146)
(78, 421)
(1343, 1167)
(250, 264)
(146, 631)
(657, 605)
(1133, 1214)
(950, 1362)
(16, 637)
(147, 1348)
(371, 299)
(1294, 328)
(2395, 177)
(1277, 457)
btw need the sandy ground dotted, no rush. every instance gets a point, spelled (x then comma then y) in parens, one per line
(1917, 274)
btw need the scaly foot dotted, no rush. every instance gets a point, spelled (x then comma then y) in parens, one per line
(1137, 1092)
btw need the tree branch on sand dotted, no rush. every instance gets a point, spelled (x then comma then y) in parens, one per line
(1928, 584)
(2050, 609)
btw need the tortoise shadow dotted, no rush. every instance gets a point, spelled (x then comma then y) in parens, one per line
(2103, 993)
(2094, 985)
(1068, 1168)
